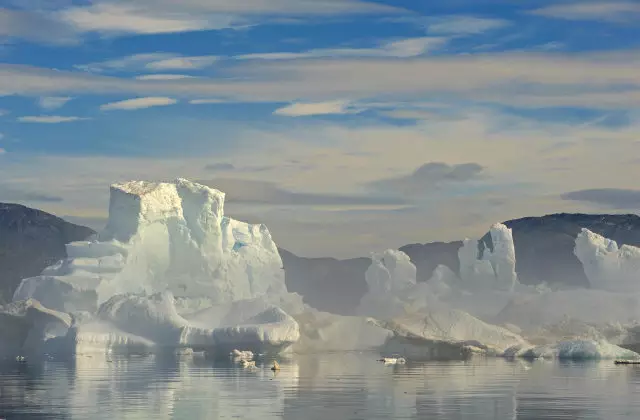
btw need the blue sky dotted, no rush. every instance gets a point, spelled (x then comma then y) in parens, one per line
(345, 125)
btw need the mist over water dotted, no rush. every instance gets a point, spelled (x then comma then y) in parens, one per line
(328, 386)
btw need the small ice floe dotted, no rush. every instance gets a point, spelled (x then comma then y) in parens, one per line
(393, 360)
(238, 355)
(248, 363)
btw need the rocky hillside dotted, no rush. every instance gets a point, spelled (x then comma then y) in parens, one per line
(30, 240)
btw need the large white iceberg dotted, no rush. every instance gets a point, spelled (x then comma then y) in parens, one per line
(607, 266)
(163, 237)
(168, 271)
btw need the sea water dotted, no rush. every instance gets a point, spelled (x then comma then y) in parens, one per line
(323, 386)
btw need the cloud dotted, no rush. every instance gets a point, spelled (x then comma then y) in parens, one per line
(53, 102)
(463, 25)
(49, 119)
(318, 108)
(268, 193)
(114, 19)
(138, 103)
(3, 112)
(207, 101)
(12, 194)
(143, 17)
(613, 11)
(608, 197)
(399, 48)
(151, 62)
(428, 177)
(2, 151)
(34, 26)
(530, 80)
(223, 166)
(182, 63)
(128, 63)
(164, 77)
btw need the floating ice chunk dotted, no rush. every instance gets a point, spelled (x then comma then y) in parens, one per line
(446, 333)
(241, 355)
(25, 326)
(573, 350)
(326, 332)
(607, 266)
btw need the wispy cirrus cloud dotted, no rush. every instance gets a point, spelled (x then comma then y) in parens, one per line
(138, 103)
(119, 18)
(53, 102)
(317, 108)
(541, 79)
(67, 22)
(466, 25)
(164, 77)
(613, 11)
(50, 119)
(397, 48)
(156, 61)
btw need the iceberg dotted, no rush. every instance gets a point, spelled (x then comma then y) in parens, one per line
(489, 266)
(145, 324)
(591, 306)
(444, 333)
(607, 266)
(574, 350)
(390, 272)
(162, 237)
(25, 326)
(169, 271)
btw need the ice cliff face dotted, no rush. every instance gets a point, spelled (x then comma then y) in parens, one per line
(390, 271)
(485, 268)
(607, 266)
(163, 237)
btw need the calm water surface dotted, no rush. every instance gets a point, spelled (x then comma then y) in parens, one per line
(330, 386)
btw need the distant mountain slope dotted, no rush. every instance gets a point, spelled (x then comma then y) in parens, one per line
(326, 283)
(30, 240)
